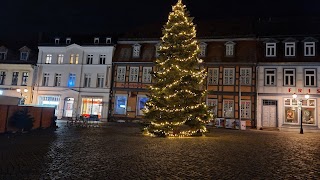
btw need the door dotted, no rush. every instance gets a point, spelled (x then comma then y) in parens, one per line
(269, 114)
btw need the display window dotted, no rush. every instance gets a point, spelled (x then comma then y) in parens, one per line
(91, 106)
(120, 104)
(294, 115)
(141, 104)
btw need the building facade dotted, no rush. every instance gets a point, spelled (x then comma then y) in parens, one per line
(17, 68)
(288, 65)
(75, 77)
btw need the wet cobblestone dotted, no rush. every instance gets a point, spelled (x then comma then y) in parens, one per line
(119, 151)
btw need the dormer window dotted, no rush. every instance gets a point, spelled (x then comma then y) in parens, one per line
(136, 51)
(108, 40)
(56, 40)
(24, 56)
(309, 48)
(157, 46)
(3, 55)
(203, 49)
(229, 48)
(290, 49)
(271, 49)
(68, 41)
(96, 40)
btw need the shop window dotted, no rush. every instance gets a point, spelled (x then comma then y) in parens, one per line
(213, 105)
(213, 76)
(293, 115)
(228, 108)
(270, 77)
(141, 105)
(91, 105)
(120, 104)
(245, 76)
(228, 78)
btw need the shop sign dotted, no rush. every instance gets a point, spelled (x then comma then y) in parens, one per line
(304, 91)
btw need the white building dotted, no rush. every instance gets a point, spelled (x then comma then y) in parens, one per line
(282, 73)
(75, 78)
(17, 73)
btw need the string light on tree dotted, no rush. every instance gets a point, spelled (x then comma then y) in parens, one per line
(176, 105)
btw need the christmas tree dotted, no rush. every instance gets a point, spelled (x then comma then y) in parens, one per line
(176, 104)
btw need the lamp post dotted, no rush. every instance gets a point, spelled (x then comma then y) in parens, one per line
(25, 90)
(300, 108)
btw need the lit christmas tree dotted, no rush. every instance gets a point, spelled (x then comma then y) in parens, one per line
(176, 104)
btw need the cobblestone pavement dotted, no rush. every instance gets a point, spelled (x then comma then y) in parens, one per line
(119, 151)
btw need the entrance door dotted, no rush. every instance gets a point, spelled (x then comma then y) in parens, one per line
(269, 113)
(68, 107)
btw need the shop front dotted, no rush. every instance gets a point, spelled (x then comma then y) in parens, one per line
(91, 106)
(50, 101)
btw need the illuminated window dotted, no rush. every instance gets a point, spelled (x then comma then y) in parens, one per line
(120, 104)
(141, 104)
(25, 76)
(134, 74)
(213, 105)
(68, 40)
(60, 58)
(71, 58)
(245, 76)
(292, 115)
(213, 76)
(228, 108)
(48, 58)
(91, 106)
(146, 76)
(72, 80)
(96, 41)
(77, 58)
(45, 81)
(121, 74)
(228, 78)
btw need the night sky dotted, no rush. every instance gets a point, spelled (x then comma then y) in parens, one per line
(22, 19)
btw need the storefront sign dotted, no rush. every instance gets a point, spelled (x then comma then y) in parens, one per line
(303, 91)
(132, 85)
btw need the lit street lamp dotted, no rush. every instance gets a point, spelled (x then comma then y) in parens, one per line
(25, 90)
(307, 96)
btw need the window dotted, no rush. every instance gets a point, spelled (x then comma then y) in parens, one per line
(87, 80)
(60, 59)
(102, 59)
(136, 50)
(57, 80)
(213, 106)
(203, 47)
(141, 105)
(71, 58)
(24, 56)
(290, 49)
(96, 40)
(3, 55)
(25, 76)
(270, 77)
(72, 80)
(228, 108)
(309, 49)
(146, 76)
(120, 104)
(292, 114)
(2, 77)
(57, 40)
(228, 76)
(48, 58)
(14, 78)
(77, 58)
(100, 80)
(289, 77)
(310, 77)
(108, 40)
(157, 49)
(271, 49)
(121, 74)
(134, 73)
(245, 76)
(213, 76)
(68, 40)
(229, 48)
(45, 81)
(245, 109)
(89, 58)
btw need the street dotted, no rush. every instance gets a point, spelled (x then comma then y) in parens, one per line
(120, 151)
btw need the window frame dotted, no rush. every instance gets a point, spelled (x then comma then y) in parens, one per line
(266, 75)
(246, 76)
(25, 77)
(214, 103)
(314, 75)
(100, 80)
(3, 75)
(229, 49)
(136, 48)
(89, 58)
(138, 109)
(4, 55)
(273, 48)
(24, 56)
(60, 58)
(213, 76)
(230, 102)
(245, 110)
(310, 46)
(57, 79)
(48, 59)
(87, 80)
(290, 49)
(231, 78)
(102, 58)
(45, 79)
(72, 80)
(146, 76)
(134, 74)
(289, 75)
(203, 49)
(121, 73)
(116, 104)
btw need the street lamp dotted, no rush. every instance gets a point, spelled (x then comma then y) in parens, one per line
(307, 96)
(25, 90)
